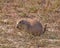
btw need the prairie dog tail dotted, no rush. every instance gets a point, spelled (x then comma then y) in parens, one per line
(45, 26)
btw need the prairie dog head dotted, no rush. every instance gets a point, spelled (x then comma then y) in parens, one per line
(23, 25)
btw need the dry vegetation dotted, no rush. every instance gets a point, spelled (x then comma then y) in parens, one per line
(47, 11)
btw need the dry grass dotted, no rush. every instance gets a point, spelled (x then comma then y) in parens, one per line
(47, 11)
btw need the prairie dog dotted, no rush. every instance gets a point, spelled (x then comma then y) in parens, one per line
(32, 26)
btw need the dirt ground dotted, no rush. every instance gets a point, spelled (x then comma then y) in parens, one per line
(46, 11)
